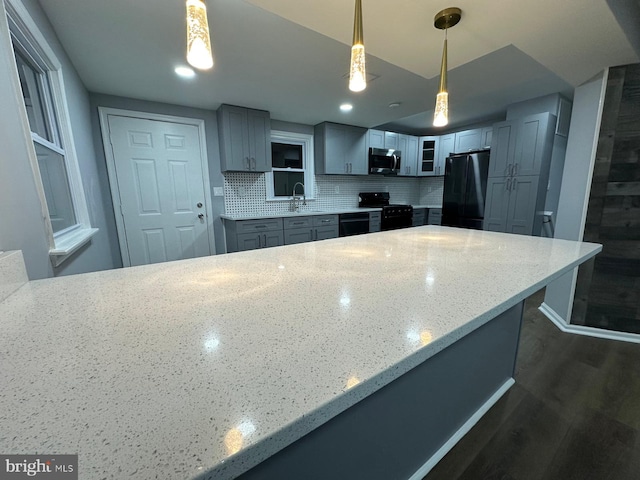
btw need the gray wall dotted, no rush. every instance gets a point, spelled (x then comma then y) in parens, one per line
(291, 127)
(22, 226)
(213, 151)
(578, 169)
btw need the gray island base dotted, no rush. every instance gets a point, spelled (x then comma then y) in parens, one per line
(403, 429)
(355, 357)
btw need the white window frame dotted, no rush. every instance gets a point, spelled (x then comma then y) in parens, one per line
(24, 31)
(292, 138)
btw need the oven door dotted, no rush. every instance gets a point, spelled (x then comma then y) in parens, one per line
(384, 162)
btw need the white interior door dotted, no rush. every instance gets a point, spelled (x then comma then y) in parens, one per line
(158, 165)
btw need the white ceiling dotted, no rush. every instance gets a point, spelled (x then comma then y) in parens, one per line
(289, 56)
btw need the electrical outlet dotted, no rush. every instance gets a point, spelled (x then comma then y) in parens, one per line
(336, 189)
(218, 192)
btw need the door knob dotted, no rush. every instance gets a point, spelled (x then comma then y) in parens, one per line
(199, 205)
(201, 216)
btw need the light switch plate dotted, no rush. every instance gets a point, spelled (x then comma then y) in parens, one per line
(218, 192)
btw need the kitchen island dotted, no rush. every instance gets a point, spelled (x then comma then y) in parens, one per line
(205, 368)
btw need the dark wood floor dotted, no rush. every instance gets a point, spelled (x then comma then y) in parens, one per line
(574, 412)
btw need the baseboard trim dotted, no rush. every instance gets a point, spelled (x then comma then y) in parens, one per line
(462, 431)
(559, 322)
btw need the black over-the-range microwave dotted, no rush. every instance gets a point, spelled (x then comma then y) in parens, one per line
(384, 161)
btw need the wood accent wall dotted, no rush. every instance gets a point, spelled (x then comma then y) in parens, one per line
(608, 287)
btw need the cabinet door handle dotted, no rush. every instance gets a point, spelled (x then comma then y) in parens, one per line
(346, 167)
(515, 169)
(508, 184)
(311, 234)
(515, 183)
(259, 241)
(248, 163)
(265, 239)
(255, 165)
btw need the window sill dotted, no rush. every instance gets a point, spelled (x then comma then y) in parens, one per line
(70, 242)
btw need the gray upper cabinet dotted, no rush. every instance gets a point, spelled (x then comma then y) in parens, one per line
(427, 159)
(245, 139)
(522, 146)
(487, 136)
(446, 146)
(534, 143)
(504, 148)
(519, 174)
(375, 139)
(391, 140)
(340, 149)
(408, 146)
(468, 140)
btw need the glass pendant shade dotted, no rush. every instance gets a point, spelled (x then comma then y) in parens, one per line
(198, 42)
(441, 114)
(357, 75)
(357, 72)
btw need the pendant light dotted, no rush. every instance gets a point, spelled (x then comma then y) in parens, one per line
(198, 41)
(357, 73)
(444, 20)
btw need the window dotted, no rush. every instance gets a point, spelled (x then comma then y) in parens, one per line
(58, 175)
(292, 162)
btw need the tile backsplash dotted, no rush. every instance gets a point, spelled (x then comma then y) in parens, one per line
(245, 193)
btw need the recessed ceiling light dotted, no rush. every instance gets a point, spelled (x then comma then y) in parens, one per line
(185, 72)
(346, 107)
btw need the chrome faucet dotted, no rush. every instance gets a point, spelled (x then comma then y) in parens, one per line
(294, 206)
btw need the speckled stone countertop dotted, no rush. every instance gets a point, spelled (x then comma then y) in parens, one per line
(302, 213)
(203, 368)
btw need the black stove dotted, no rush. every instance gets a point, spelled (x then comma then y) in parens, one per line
(393, 216)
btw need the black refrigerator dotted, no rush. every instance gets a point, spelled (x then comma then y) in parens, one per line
(465, 188)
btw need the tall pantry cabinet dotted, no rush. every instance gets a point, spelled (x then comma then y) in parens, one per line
(519, 174)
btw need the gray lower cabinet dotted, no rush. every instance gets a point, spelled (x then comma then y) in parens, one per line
(375, 221)
(419, 217)
(511, 204)
(244, 235)
(434, 216)
(310, 228)
(252, 241)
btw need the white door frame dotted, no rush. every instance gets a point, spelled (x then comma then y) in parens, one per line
(104, 113)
